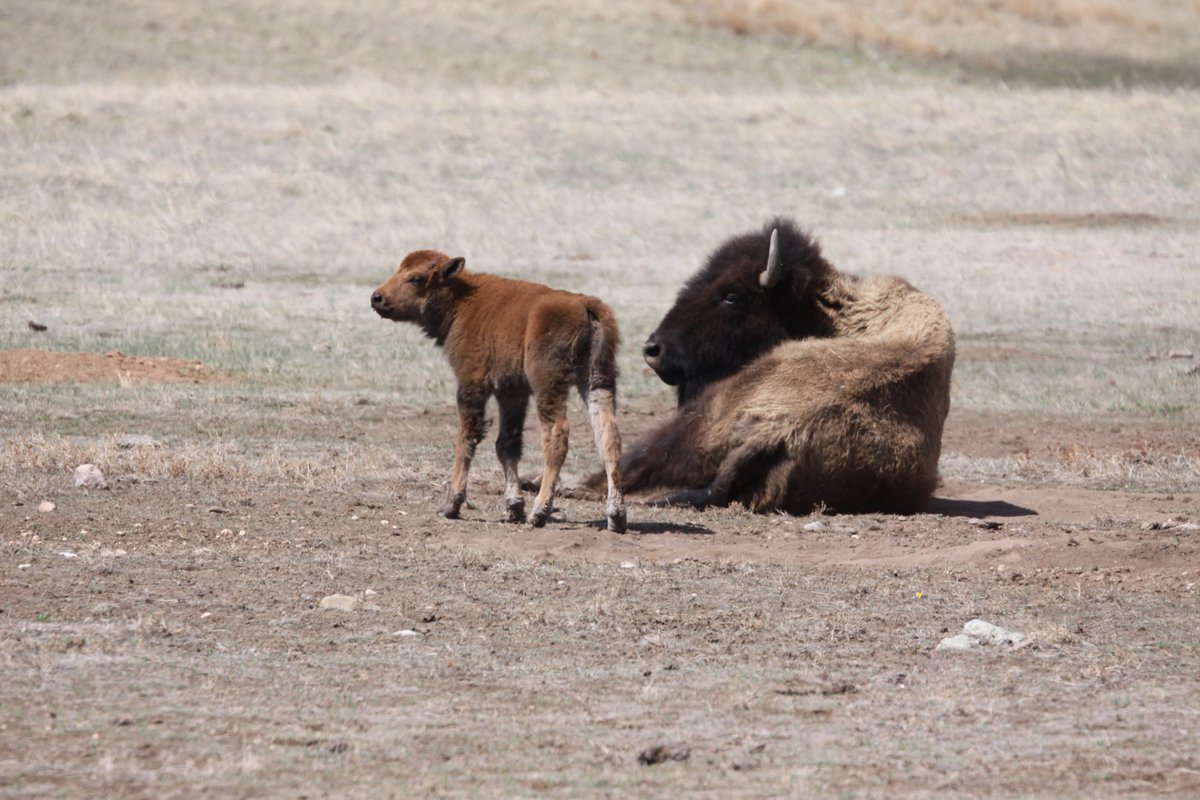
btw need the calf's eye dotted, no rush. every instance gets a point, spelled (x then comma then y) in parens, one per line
(417, 280)
(730, 299)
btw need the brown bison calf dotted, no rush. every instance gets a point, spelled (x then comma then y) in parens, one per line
(511, 339)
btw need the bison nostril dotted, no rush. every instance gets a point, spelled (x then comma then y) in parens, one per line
(652, 350)
(376, 299)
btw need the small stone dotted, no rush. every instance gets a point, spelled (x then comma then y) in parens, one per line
(405, 632)
(627, 565)
(1180, 354)
(959, 642)
(103, 610)
(46, 507)
(89, 476)
(814, 526)
(660, 753)
(340, 602)
(993, 634)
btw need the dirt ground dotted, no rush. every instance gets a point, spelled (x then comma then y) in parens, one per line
(167, 639)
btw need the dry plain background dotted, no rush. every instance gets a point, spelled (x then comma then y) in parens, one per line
(213, 189)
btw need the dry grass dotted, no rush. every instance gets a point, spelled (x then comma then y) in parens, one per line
(25, 462)
(227, 182)
(1123, 38)
(243, 223)
(1080, 465)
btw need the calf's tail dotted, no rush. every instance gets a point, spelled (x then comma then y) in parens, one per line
(603, 341)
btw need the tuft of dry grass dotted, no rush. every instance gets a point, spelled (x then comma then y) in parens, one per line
(1084, 466)
(979, 33)
(27, 460)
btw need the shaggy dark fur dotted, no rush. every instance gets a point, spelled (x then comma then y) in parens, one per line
(723, 319)
(817, 389)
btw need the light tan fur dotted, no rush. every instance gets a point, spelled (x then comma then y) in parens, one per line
(850, 422)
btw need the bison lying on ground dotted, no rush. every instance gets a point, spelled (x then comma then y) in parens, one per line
(511, 339)
(799, 387)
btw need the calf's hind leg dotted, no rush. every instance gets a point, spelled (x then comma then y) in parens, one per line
(508, 450)
(602, 411)
(552, 413)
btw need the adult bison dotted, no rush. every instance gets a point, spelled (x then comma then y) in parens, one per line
(799, 386)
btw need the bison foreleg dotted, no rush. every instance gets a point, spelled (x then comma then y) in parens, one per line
(472, 424)
(740, 477)
(693, 498)
(668, 457)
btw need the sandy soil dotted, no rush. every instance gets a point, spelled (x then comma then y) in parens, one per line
(168, 639)
(41, 366)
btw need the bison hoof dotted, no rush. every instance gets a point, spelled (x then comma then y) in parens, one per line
(449, 511)
(616, 520)
(539, 517)
(516, 510)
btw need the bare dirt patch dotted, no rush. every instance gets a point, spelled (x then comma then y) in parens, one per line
(49, 366)
(161, 636)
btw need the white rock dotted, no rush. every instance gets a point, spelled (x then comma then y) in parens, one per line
(340, 602)
(46, 507)
(627, 565)
(993, 634)
(89, 476)
(959, 642)
(814, 526)
(405, 632)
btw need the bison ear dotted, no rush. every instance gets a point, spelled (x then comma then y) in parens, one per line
(770, 276)
(452, 267)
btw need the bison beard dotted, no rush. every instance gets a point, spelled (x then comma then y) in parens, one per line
(834, 394)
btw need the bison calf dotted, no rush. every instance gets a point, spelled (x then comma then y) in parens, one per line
(513, 339)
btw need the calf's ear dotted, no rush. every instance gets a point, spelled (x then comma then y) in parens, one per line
(452, 267)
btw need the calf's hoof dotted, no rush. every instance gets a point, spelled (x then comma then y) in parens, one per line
(449, 511)
(516, 510)
(616, 520)
(539, 517)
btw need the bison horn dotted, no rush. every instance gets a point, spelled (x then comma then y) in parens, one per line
(771, 275)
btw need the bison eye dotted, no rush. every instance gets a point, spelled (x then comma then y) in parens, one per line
(417, 280)
(731, 299)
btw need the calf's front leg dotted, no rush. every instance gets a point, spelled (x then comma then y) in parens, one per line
(471, 427)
